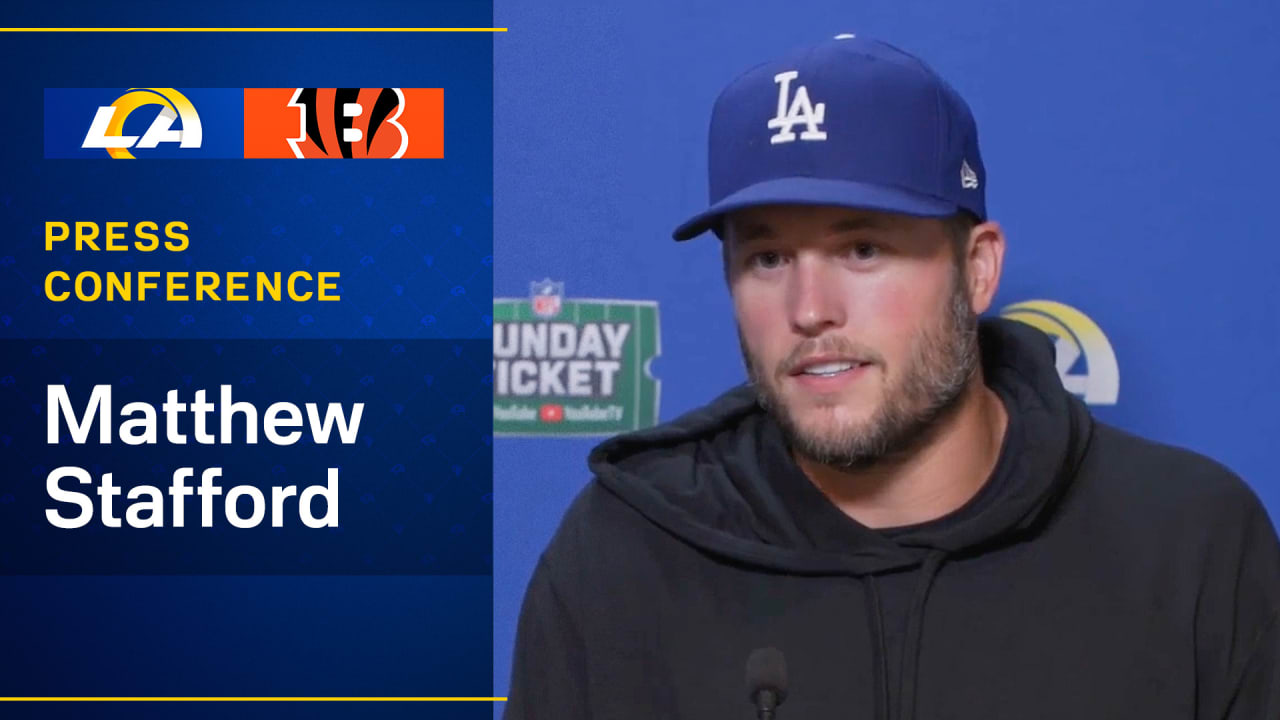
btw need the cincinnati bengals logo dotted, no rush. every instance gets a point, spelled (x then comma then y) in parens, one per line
(351, 119)
(308, 123)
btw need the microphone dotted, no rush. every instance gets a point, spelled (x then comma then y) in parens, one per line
(766, 681)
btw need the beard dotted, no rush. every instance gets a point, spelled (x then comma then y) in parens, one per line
(943, 358)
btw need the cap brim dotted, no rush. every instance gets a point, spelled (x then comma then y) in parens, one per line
(817, 191)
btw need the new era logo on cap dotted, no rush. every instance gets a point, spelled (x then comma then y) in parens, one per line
(849, 122)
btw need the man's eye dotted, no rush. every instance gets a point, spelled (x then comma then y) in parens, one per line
(766, 260)
(864, 251)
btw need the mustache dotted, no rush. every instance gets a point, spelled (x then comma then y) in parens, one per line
(828, 345)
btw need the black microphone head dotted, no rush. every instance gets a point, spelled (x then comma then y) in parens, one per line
(767, 670)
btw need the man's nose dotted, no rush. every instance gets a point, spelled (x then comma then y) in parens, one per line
(814, 299)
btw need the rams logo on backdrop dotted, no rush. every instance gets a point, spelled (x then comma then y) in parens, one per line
(573, 367)
(1085, 359)
(107, 129)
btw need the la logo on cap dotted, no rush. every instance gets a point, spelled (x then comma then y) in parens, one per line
(802, 110)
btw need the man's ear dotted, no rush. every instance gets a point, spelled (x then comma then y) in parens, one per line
(983, 263)
(724, 259)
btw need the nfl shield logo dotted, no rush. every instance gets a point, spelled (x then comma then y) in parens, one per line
(546, 296)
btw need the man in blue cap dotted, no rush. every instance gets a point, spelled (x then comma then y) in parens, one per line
(903, 514)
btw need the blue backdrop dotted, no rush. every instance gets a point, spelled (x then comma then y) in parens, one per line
(400, 605)
(1131, 149)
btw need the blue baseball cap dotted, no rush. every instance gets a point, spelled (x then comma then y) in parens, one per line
(850, 122)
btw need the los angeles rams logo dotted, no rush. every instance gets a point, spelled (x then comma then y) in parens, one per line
(107, 129)
(1079, 342)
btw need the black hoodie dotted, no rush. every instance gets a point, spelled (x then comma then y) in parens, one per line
(1095, 575)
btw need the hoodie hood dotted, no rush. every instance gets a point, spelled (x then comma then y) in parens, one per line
(721, 477)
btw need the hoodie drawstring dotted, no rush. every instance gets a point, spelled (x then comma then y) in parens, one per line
(879, 652)
(911, 646)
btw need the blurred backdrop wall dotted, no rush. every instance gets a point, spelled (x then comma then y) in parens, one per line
(1132, 151)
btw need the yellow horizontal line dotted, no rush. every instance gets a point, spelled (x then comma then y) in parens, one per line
(252, 700)
(243, 29)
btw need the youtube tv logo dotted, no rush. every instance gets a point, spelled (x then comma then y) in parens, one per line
(551, 413)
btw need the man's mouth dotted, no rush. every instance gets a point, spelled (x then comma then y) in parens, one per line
(827, 369)
(822, 367)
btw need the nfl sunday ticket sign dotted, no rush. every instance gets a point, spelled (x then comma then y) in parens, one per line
(573, 367)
